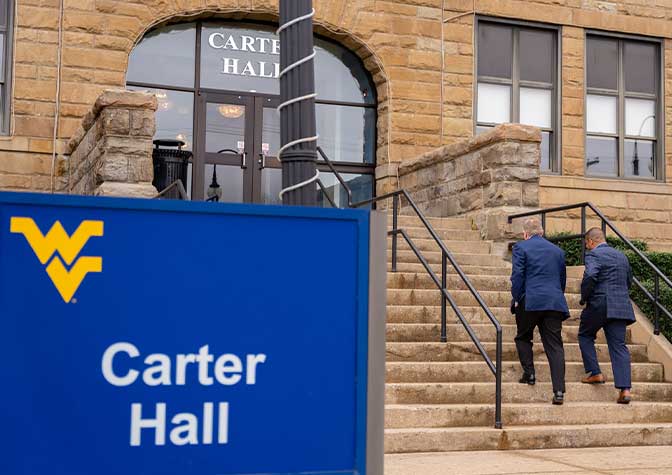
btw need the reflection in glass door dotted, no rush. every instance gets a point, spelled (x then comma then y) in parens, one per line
(237, 154)
(222, 172)
(270, 179)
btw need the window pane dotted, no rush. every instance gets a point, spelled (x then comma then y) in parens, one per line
(174, 116)
(495, 50)
(536, 55)
(361, 186)
(546, 152)
(238, 58)
(2, 56)
(640, 158)
(494, 103)
(224, 127)
(601, 114)
(227, 179)
(535, 107)
(602, 63)
(165, 57)
(640, 117)
(640, 61)
(346, 133)
(601, 156)
(339, 75)
(270, 134)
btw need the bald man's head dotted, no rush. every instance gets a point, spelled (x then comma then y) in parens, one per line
(594, 237)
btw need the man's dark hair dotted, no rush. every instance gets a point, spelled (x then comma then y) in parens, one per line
(596, 235)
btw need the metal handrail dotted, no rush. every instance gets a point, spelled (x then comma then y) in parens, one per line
(446, 256)
(177, 184)
(606, 223)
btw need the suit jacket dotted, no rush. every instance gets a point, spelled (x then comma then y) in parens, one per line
(539, 276)
(606, 283)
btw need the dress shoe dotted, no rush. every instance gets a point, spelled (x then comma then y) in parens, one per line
(624, 397)
(528, 379)
(558, 398)
(595, 379)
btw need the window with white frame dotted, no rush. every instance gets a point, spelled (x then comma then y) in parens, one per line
(517, 81)
(622, 103)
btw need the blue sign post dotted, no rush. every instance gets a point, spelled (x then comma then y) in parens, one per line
(147, 337)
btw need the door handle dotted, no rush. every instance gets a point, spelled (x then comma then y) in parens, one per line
(262, 161)
(243, 160)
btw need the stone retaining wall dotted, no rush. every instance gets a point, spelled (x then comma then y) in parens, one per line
(111, 151)
(487, 177)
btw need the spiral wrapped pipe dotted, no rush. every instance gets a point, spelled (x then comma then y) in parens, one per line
(294, 100)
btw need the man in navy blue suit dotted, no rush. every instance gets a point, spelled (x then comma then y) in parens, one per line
(604, 291)
(538, 282)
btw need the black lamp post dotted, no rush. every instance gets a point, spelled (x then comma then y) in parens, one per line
(297, 110)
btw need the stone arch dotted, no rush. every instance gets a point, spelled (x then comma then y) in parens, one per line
(162, 12)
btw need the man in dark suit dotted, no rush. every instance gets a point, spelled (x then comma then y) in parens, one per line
(604, 291)
(538, 282)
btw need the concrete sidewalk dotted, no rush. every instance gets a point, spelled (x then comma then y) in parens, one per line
(612, 460)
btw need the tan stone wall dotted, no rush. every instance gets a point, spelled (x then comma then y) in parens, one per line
(111, 151)
(487, 178)
(642, 211)
(426, 97)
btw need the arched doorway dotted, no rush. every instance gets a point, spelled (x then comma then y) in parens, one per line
(217, 86)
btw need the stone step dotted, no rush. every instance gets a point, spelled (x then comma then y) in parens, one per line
(473, 314)
(501, 268)
(444, 234)
(527, 437)
(407, 416)
(436, 223)
(462, 297)
(434, 257)
(470, 270)
(455, 246)
(467, 351)
(484, 393)
(430, 332)
(476, 371)
(413, 280)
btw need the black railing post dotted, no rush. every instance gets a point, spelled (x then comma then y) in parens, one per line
(543, 222)
(498, 381)
(444, 323)
(656, 310)
(583, 235)
(395, 212)
(604, 228)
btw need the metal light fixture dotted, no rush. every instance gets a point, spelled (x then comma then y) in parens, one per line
(231, 111)
(214, 192)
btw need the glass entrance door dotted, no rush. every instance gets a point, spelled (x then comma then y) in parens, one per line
(236, 155)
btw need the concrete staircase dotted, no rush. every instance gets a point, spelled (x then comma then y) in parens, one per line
(440, 396)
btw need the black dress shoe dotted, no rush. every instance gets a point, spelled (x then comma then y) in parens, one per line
(558, 398)
(528, 379)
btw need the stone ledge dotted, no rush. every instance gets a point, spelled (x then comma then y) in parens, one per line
(501, 133)
(111, 98)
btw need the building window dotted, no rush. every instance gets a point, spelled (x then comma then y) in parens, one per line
(6, 17)
(622, 103)
(517, 76)
(217, 87)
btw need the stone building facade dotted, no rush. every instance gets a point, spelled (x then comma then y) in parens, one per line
(422, 56)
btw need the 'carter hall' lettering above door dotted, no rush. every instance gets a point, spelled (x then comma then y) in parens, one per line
(240, 58)
(257, 47)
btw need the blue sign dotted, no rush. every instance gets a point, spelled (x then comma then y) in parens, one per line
(147, 337)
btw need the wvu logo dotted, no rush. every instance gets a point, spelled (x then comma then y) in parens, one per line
(66, 281)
